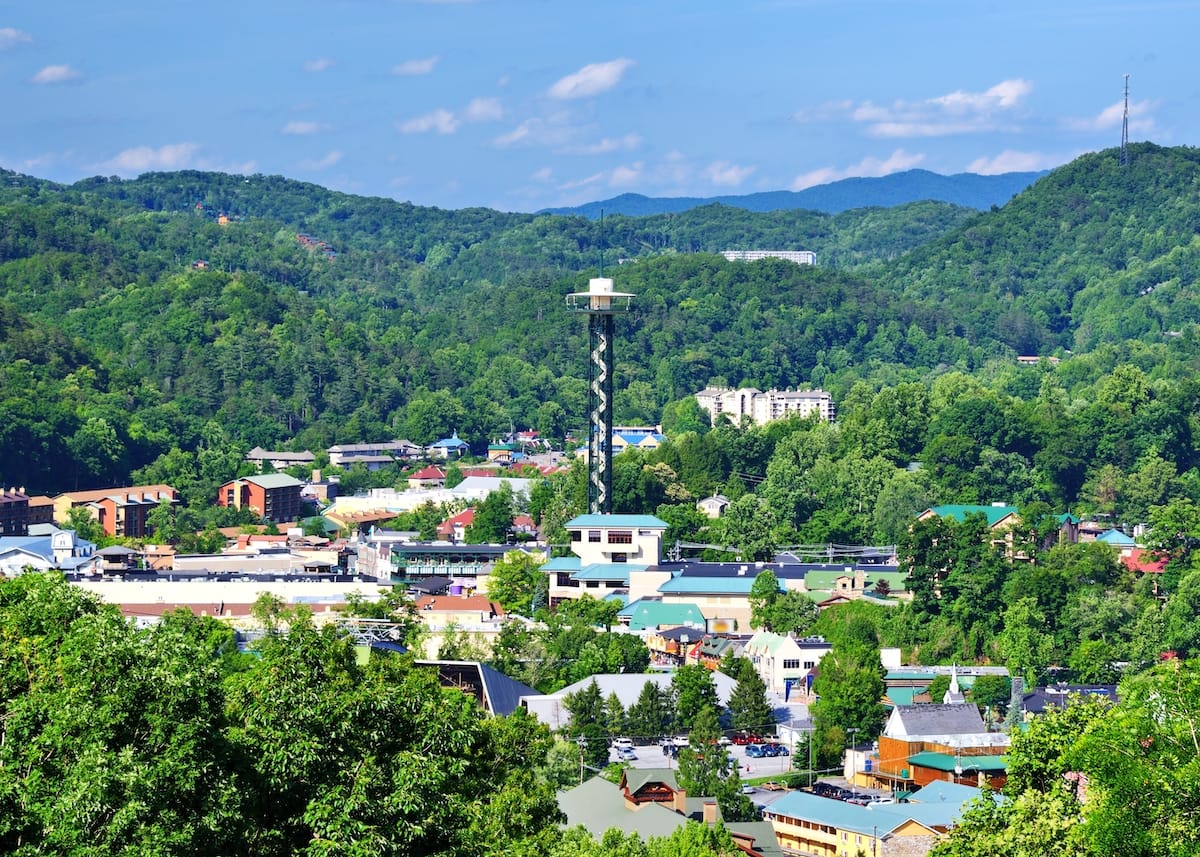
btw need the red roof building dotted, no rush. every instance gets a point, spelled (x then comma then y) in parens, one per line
(454, 528)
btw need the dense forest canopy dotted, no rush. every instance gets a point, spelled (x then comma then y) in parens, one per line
(135, 322)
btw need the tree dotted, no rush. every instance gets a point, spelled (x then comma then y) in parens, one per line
(694, 692)
(1024, 645)
(763, 593)
(991, 692)
(80, 519)
(848, 687)
(749, 709)
(705, 769)
(652, 715)
(748, 526)
(493, 518)
(514, 579)
(614, 715)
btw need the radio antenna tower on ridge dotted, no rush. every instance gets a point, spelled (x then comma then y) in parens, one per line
(1125, 127)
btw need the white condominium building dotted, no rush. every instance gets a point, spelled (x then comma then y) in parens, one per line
(800, 257)
(762, 407)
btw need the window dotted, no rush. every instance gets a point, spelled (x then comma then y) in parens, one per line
(620, 557)
(808, 665)
(576, 536)
(594, 536)
(791, 663)
(620, 537)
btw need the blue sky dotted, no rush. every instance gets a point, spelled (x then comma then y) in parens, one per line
(523, 105)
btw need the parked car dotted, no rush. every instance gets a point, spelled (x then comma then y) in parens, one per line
(724, 741)
(769, 750)
(754, 751)
(880, 801)
(779, 750)
(747, 790)
(744, 738)
(680, 740)
(626, 754)
(622, 743)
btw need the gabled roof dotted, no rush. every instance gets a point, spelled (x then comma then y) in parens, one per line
(1143, 561)
(630, 522)
(273, 480)
(452, 442)
(429, 472)
(994, 514)
(653, 613)
(907, 721)
(1115, 537)
(501, 695)
(599, 805)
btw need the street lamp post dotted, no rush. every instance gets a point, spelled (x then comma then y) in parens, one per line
(853, 788)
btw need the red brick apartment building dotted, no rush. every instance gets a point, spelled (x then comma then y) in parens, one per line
(14, 512)
(121, 512)
(274, 496)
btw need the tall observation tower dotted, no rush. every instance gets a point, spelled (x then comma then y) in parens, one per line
(600, 303)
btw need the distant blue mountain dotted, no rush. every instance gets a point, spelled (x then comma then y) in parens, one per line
(966, 189)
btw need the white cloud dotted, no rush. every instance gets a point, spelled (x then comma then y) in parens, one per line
(956, 112)
(542, 175)
(323, 163)
(554, 130)
(726, 174)
(303, 129)
(10, 37)
(1004, 95)
(175, 156)
(606, 145)
(594, 178)
(591, 79)
(626, 176)
(1110, 117)
(416, 67)
(441, 120)
(868, 167)
(1010, 161)
(484, 110)
(319, 64)
(56, 74)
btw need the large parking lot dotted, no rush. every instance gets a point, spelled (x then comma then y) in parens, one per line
(655, 756)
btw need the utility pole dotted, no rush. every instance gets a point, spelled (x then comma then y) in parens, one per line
(1125, 127)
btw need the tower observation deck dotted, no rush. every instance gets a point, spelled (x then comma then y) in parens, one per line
(600, 303)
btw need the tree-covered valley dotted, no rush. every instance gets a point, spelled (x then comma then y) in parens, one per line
(134, 323)
(155, 329)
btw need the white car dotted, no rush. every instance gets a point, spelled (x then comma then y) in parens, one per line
(680, 740)
(724, 741)
(622, 744)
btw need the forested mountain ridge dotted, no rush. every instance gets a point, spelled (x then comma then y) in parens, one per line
(1093, 253)
(429, 320)
(966, 189)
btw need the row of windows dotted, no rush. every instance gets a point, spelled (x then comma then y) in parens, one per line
(615, 537)
(794, 664)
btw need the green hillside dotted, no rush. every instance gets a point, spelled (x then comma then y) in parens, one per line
(145, 322)
(1093, 253)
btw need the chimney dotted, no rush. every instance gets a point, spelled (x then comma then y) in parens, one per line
(710, 812)
(679, 801)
